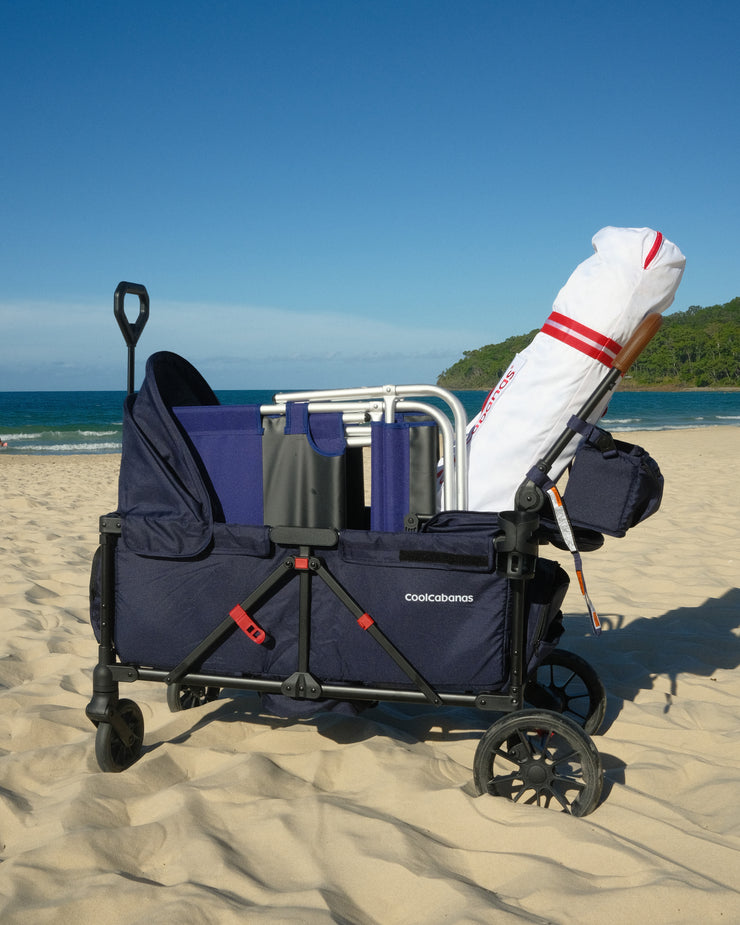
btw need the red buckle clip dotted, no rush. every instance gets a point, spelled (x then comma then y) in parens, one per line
(247, 625)
(365, 621)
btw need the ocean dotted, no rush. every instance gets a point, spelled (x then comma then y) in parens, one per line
(58, 423)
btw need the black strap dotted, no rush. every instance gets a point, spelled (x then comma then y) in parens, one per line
(595, 435)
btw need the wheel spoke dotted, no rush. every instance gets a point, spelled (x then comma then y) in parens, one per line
(561, 759)
(566, 804)
(546, 794)
(540, 744)
(570, 782)
(528, 744)
(507, 779)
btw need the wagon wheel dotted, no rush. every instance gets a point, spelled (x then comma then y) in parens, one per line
(114, 750)
(541, 758)
(186, 696)
(565, 683)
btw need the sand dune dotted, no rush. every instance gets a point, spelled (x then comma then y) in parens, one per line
(230, 816)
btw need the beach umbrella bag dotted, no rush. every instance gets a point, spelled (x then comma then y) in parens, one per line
(299, 550)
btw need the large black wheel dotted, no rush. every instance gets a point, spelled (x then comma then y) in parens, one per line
(565, 683)
(185, 697)
(540, 758)
(114, 751)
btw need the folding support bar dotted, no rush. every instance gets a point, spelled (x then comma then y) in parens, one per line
(481, 701)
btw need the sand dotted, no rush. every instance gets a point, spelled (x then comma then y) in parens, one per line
(231, 817)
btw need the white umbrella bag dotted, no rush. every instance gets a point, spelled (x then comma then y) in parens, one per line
(633, 272)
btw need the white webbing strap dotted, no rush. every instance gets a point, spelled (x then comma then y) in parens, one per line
(566, 531)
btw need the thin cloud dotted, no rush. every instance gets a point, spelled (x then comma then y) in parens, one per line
(66, 345)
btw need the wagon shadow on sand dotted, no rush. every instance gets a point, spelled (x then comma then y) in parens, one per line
(632, 657)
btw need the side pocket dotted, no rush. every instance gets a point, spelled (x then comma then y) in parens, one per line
(95, 592)
(545, 618)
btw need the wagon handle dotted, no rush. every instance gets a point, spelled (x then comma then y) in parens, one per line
(644, 333)
(131, 332)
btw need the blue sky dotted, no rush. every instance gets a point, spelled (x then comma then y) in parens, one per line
(325, 193)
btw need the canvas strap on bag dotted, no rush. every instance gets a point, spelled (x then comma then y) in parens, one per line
(566, 531)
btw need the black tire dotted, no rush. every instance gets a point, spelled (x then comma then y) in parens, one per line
(541, 758)
(185, 697)
(111, 752)
(565, 683)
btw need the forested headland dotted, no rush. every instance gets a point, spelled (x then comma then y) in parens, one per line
(698, 348)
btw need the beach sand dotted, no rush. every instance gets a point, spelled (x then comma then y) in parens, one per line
(231, 817)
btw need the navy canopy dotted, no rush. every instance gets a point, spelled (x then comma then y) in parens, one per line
(162, 492)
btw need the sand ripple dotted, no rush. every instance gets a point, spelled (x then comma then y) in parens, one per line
(233, 816)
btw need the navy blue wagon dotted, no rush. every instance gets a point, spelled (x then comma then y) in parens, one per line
(255, 548)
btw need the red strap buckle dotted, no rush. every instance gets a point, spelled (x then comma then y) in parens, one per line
(365, 621)
(247, 625)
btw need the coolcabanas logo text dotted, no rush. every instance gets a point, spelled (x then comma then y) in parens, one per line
(439, 598)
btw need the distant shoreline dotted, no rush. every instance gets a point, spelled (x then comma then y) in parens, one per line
(626, 387)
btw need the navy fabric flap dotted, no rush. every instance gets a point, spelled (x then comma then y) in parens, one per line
(466, 522)
(243, 540)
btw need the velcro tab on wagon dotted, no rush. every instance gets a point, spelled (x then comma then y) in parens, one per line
(433, 551)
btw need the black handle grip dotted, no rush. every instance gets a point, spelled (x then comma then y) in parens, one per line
(131, 332)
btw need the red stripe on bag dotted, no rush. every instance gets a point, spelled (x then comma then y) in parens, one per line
(653, 250)
(581, 337)
(593, 352)
(578, 328)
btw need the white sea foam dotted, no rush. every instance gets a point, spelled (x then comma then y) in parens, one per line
(60, 448)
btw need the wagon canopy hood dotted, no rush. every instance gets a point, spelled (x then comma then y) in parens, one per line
(165, 502)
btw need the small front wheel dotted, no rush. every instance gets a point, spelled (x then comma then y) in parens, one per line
(541, 758)
(117, 750)
(185, 697)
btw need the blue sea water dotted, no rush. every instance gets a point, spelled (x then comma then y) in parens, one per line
(90, 422)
